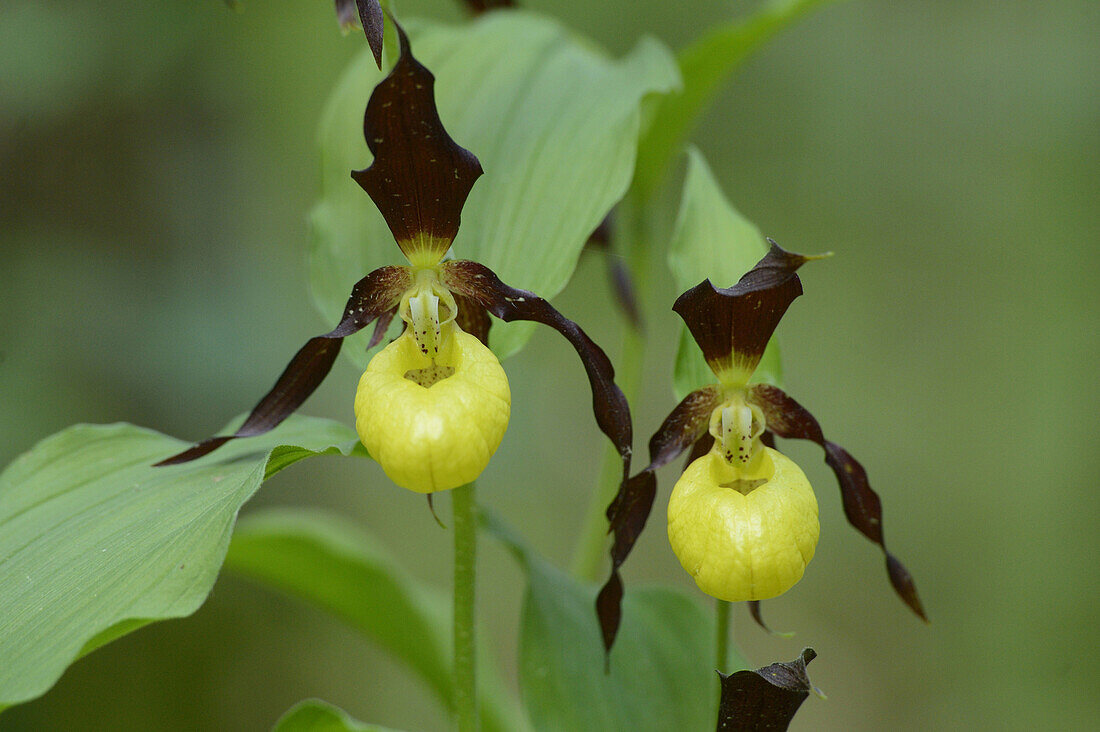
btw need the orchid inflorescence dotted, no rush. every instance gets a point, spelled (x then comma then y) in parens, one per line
(742, 519)
(433, 405)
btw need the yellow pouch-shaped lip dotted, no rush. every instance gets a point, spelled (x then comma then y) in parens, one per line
(439, 437)
(749, 545)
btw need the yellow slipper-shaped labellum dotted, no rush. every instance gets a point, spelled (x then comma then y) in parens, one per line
(743, 536)
(433, 427)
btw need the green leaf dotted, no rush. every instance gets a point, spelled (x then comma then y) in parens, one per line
(95, 542)
(711, 241)
(314, 715)
(660, 677)
(704, 65)
(553, 121)
(334, 565)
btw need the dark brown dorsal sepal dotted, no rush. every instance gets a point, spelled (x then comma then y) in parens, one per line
(767, 698)
(732, 326)
(420, 177)
(372, 297)
(629, 510)
(862, 506)
(478, 284)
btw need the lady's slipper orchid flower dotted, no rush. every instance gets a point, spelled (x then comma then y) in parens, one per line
(433, 405)
(742, 518)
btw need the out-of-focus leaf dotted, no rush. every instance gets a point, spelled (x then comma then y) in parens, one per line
(553, 122)
(765, 699)
(314, 715)
(95, 542)
(711, 241)
(704, 65)
(332, 564)
(659, 677)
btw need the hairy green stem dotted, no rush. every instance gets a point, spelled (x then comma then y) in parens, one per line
(722, 634)
(465, 528)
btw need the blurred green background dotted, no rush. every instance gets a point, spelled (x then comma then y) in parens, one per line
(158, 164)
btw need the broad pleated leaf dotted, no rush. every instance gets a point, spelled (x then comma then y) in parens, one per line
(331, 564)
(314, 715)
(711, 241)
(704, 66)
(95, 542)
(553, 122)
(659, 676)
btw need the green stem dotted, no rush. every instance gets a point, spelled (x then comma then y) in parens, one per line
(722, 634)
(465, 528)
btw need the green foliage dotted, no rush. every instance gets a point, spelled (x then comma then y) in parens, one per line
(95, 542)
(704, 65)
(314, 715)
(331, 564)
(712, 240)
(659, 677)
(555, 125)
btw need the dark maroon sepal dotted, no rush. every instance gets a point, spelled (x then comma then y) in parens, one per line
(420, 177)
(473, 318)
(372, 296)
(479, 284)
(381, 326)
(367, 14)
(764, 699)
(732, 326)
(862, 506)
(629, 510)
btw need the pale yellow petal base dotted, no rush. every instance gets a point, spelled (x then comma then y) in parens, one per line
(750, 545)
(439, 437)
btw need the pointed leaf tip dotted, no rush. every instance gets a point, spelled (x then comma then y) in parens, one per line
(732, 325)
(420, 177)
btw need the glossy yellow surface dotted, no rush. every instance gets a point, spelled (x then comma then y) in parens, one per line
(743, 546)
(439, 437)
